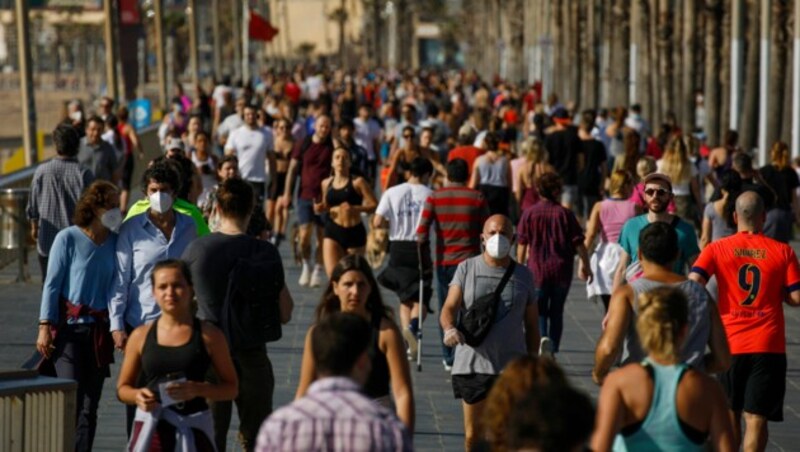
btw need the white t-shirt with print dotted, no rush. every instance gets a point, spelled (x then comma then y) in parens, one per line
(251, 146)
(402, 206)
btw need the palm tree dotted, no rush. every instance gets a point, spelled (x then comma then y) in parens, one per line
(339, 15)
(713, 13)
(749, 119)
(777, 71)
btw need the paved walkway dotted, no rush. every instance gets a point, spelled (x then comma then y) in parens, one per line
(439, 424)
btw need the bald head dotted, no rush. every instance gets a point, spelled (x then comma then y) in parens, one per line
(498, 223)
(749, 211)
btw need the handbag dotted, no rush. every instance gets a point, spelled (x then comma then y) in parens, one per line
(477, 321)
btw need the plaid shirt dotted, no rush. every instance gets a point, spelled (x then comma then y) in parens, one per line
(334, 415)
(55, 189)
(553, 233)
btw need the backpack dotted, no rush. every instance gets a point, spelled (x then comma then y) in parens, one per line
(250, 313)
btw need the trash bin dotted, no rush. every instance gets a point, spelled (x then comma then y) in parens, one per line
(13, 221)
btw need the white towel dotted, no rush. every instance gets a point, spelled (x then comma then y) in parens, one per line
(184, 437)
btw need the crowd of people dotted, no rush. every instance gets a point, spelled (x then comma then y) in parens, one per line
(374, 180)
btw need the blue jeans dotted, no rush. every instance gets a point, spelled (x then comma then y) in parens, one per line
(444, 274)
(551, 301)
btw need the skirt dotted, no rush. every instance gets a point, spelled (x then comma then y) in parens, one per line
(603, 263)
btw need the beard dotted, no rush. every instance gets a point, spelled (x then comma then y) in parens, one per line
(657, 206)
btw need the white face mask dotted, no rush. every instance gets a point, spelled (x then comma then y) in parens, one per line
(498, 246)
(112, 219)
(160, 202)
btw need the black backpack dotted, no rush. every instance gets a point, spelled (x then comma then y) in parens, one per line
(476, 322)
(251, 313)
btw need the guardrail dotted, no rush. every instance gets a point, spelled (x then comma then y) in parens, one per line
(22, 179)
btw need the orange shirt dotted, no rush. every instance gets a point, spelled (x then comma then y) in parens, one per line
(754, 274)
(467, 153)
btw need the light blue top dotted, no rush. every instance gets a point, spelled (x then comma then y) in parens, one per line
(140, 246)
(687, 241)
(661, 430)
(80, 271)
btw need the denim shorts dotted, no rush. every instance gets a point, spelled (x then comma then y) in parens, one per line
(305, 212)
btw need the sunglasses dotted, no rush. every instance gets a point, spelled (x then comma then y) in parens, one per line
(408, 136)
(656, 191)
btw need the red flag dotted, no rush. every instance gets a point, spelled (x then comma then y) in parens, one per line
(260, 29)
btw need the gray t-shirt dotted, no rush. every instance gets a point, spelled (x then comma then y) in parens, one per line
(719, 227)
(101, 158)
(699, 323)
(506, 339)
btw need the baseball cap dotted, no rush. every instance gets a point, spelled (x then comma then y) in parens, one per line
(174, 143)
(658, 177)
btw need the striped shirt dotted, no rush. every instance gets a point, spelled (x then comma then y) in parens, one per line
(55, 189)
(459, 213)
(333, 416)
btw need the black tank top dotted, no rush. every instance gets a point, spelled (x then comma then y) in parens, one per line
(378, 382)
(189, 360)
(348, 194)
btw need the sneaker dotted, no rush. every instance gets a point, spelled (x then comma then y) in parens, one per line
(546, 347)
(316, 277)
(411, 340)
(305, 276)
(447, 367)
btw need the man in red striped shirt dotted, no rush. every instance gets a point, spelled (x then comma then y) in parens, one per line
(459, 213)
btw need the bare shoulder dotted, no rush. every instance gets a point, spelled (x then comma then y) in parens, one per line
(211, 332)
(137, 337)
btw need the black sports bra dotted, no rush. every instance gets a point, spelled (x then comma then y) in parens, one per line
(348, 194)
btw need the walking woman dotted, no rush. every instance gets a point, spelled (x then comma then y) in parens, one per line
(783, 180)
(675, 163)
(661, 403)
(73, 319)
(165, 367)
(133, 146)
(353, 289)
(492, 176)
(344, 198)
(535, 166)
(284, 143)
(718, 214)
(606, 221)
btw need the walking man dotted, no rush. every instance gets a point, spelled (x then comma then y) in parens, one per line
(335, 414)
(458, 213)
(55, 189)
(311, 160)
(253, 145)
(401, 207)
(96, 154)
(514, 333)
(755, 275)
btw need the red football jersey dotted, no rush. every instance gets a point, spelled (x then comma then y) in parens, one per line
(754, 274)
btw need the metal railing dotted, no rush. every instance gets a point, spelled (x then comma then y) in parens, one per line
(22, 179)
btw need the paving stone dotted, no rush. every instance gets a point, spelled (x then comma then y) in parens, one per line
(439, 421)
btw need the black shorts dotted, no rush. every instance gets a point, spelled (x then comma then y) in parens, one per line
(472, 388)
(756, 383)
(127, 172)
(279, 184)
(258, 191)
(352, 237)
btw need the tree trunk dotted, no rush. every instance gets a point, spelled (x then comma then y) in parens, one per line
(777, 69)
(656, 82)
(687, 97)
(589, 58)
(749, 121)
(665, 35)
(712, 88)
(725, 74)
(620, 52)
(786, 119)
(606, 70)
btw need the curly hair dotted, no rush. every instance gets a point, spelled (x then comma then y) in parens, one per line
(98, 195)
(330, 301)
(520, 377)
(549, 186)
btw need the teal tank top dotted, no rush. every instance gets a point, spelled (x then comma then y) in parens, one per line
(661, 429)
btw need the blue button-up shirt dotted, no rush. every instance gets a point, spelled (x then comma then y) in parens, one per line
(140, 246)
(80, 271)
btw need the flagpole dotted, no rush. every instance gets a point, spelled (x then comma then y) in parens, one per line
(246, 42)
